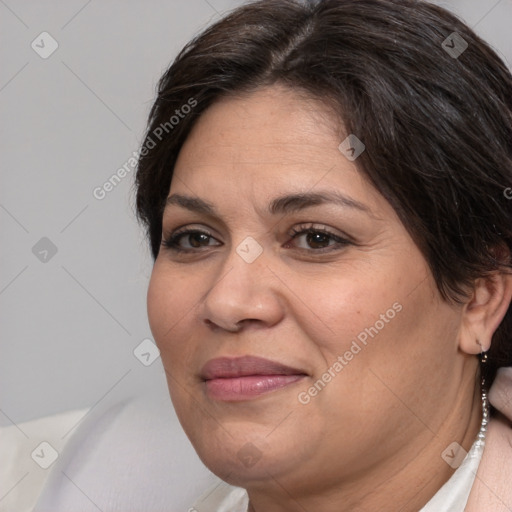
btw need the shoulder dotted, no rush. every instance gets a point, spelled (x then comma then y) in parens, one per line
(500, 394)
(28, 450)
(491, 489)
(128, 453)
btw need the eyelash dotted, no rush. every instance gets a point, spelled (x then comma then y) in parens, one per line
(172, 242)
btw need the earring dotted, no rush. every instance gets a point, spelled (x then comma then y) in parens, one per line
(485, 403)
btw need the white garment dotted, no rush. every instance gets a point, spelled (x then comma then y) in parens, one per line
(127, 455)
(21, 478)
(451, 497)
(454, 494)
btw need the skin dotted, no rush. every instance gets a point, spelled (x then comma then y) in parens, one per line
(372, 438)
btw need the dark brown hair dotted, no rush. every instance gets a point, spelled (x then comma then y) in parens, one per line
(437, 126)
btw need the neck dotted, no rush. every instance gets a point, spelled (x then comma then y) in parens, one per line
(406, 483)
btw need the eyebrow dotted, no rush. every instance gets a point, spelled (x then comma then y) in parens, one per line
(280, 205)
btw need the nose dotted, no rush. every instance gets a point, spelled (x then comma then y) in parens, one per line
(244, 292)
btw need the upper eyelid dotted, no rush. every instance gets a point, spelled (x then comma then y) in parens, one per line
(299, 226)
(186, 228)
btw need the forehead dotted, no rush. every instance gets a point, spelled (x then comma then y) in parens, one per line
(267, 143)
(278, 120)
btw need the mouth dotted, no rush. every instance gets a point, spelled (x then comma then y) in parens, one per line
(246, 378)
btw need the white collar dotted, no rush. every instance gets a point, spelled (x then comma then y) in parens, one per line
(454, 494)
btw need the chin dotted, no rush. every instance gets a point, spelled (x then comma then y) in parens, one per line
(251, 453)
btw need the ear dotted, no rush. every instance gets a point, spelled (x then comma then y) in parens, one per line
(484, 311)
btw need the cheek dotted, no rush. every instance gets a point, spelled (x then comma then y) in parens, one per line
(345, 305)
(172, 306)
(379, 319)
(167, 305)
(157, 304)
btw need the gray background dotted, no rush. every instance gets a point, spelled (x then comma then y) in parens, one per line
(69, 324)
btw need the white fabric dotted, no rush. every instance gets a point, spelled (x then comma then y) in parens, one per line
(129, 456)
(451, 497)
(21, 479)
(454, 494)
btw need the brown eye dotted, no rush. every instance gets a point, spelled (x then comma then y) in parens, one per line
(317, 239)
(195, 237)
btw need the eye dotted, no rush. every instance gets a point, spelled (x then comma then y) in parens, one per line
(317, 238)
(196, 238)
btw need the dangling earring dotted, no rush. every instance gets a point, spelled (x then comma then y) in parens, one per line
(485, 403)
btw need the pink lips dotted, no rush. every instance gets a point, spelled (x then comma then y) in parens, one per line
(245, 378)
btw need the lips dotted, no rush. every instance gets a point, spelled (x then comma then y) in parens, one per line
(226, 367)
(245, 378)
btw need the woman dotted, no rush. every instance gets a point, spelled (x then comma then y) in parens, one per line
(324, 187)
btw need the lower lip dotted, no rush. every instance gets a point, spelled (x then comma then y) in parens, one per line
(246, 388)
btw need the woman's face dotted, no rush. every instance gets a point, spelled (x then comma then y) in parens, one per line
(352, 307)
